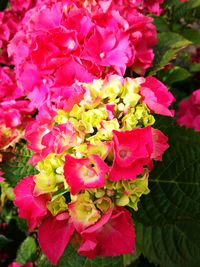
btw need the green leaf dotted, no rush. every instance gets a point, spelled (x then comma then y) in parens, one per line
(4, 241)
(70, 258)
(22, 224)
(131, 258)
(17, 167)
(26, 250)
(182, 9)
(168, 219)
(169, 44)
(176, 74)
(59, 193)
(161, 24)
(195, 67)
(191, 34)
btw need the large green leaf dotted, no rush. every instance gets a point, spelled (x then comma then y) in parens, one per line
(4, 241)
(26, 250)
(176, 74)
(168, 219)
(72, 259)
(191, 34)
(16, 166)
(169, 44)
(161, 24)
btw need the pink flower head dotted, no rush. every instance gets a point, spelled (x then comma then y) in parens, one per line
(189, 111)
(60, 138)
(159, 144)
(112, 235)
(156, 96)
(85, 173)
(31, 208)
(54, 235)
(132, 150)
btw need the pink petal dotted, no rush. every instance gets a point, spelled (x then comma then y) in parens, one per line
(114, 237)
(53, 236)
(160, 144)
(132, 145)
(31, 208)
(80, 174)
(157, 97)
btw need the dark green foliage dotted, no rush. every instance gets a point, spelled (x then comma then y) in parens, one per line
(26, 250)
(168, 220)
(71, 259)
(16, 165)
(169, 44)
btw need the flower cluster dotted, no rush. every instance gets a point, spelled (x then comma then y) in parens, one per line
(81, 42)
(85, 39)
(93, 157)
(189, 111)
(91, 130)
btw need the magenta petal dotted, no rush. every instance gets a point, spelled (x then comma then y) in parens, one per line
(31, 208)
(80, 174)
(118, 236)
(132, 145)
(113, 238)
(157, 97)
(160, 144)
(53, 236)
(118, 173)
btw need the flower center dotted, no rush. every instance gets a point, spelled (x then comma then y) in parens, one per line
(123, 153)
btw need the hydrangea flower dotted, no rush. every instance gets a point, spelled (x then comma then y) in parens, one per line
(107, 39)
(93, 159)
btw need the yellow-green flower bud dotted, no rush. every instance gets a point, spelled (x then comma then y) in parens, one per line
(122, 201)
(56, 206)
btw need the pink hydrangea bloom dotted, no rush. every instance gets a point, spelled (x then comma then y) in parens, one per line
(132, 151)
(156, 96)
(85, 173)
(189, 111)
(50, 49)
(54, 234)
(159, 144)
(112, 235)
(31, 208)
